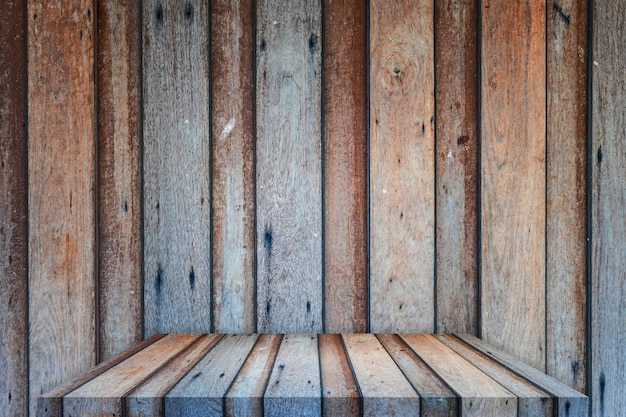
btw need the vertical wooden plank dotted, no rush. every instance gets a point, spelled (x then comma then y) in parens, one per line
(340, 392)
(119, 175)
(457, 165)
(513, 122)
(345, 166)
(61, 196)
(289, 191)
(13, 210)
(177, 249)
(233, 118)
(402, 166)
(608, 263)
(566, 287)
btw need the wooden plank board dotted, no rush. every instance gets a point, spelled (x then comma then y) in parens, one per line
(513, 192)
(13, 210)
(245, 397)
(294, 387)
(340, 392)
(61, 199)
(119, 176)
(481, 395)
(384, 389)
(402, 173)
(566, 287)
(289, 189)
(233, 120)
(176, 162)
(608, 197)
(345, 166)
(437, 400)
(456, 127)
(147, 399)
(103, 394)
(202, 390)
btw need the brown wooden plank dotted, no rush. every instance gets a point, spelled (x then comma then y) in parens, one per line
(119, 175)
(177, 198)
(457, 165)
(233, 119)
(245, 397)
(566, 286)
(13, 210)
(294, 387)
(202, 390)
(513, 146)
(289, 190)
(402, 166)
(103, 394)
(608, 197)
(61, 197)
(345, 166)
(437, 400)
(339, 389)
(147, 399)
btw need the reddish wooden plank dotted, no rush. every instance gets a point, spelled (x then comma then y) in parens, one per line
(340, 392)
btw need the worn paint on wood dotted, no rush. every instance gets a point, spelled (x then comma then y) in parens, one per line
(289, 190)
(61, 199)
(177, 199)
(345, 166)
(341, 397)
(402, 172)
(456, 129)
(513, 191)
(233, 140)
(119, 176)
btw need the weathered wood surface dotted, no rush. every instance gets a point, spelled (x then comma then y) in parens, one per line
(341, 397)
(402, 173)
(456, 127)
(13, 210)
(233, 170)
(119, 176)
(345, 166)
(608, 201)
(289, 176)
(176, 161)
(61, 192)
(513, 198)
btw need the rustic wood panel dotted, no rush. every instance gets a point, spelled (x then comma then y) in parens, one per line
(289, 191)
(340, 392)
(456, 127)
(233, 140)
(13, 210)
(61, 199)
(513, 123)
(345, 166)
(177, 198)
(608, 200)
(119, 176)
(402, 172)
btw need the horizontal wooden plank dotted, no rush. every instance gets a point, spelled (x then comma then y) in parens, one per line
(339, 389)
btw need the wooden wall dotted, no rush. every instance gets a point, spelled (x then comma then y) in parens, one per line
(312, 166)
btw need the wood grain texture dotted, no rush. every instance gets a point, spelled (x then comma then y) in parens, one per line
(345, 166)
(289, 189)
(340, 392)
(245, 397)
(402, 172)
(233, 140)
(13, 210)
(456, 127)
(608, 199)
(202, 390)
(119, 175)
(566, 192)
(294, 386)
(61, 198)
(513, 147)
(177, 236)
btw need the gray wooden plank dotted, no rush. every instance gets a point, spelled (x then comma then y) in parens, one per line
(340, 392)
